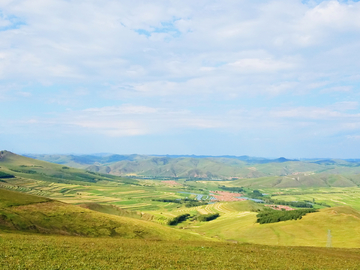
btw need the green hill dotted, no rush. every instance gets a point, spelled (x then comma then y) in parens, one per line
(28, 168)
(26, 213)
(311, 230)
(278, 172)
(301, 180)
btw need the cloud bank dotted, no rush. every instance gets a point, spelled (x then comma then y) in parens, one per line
(265, 69)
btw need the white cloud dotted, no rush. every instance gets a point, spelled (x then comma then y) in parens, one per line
(129, 120)
(317, 112)
(260, 65)
(345, 105)
(337, 89)
(132, 120)
(24, 94)
(120, 110)
(284, 66)
(353, 137)
(72, 41)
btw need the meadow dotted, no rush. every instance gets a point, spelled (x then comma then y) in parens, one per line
(334, 196)
(23, 251)
(146, 200)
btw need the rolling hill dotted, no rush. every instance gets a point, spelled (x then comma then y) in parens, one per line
(27, 213)
(242, 171)
(311, 230)
(28, 168)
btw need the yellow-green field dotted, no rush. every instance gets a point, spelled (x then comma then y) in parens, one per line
(28, 213)
(135, 201)
(125, 243)
(19, 251)
(331, 196)
(311, 230)
(237, 222)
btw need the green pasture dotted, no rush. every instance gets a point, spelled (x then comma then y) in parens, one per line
(28, 213)
(132, 197)
(19, 251)
(311, 230)
(330, 196)
(137, 198)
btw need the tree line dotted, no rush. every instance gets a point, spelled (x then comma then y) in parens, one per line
(178, 219)
(272, 216)
(187, 202)
(294, 204)
(207, 217)
(232, 189)
(6, 175)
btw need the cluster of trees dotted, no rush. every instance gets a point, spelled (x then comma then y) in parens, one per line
(187, 202)
(167, 200)
(272, 216)
(232, 189)
(176, 220)
(256, 194)
(193, 203)
(207, 217)
(6, 175)
(23, 171)
(294, 204)
(318, 203)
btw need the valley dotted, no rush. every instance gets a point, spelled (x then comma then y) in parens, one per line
(39, 198)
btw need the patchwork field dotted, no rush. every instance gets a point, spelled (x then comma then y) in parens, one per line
(28, 213)
(330, 196)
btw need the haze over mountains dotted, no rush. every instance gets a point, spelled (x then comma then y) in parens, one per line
(279, 172)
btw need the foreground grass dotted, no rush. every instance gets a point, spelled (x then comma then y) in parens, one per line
(62, 252)
(60, 218)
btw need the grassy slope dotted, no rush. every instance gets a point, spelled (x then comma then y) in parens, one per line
(311, 230)
(28, 168)
(331, 196)
(205, 168)
(225, 227)
(300, 180)
(59, 252)
(35, 214)
(10, 198)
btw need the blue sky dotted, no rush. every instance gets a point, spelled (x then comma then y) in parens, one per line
(258, 78)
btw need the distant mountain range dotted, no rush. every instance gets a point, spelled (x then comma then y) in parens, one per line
(110, 158)
(202, 167)
(279, 173)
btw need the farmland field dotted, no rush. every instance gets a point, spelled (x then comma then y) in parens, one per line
(237, 222)
(330, 196)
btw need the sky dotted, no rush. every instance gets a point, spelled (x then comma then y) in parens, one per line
(208, 77)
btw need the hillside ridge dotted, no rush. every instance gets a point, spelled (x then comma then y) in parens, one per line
(27, 213)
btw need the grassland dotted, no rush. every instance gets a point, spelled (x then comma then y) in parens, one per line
(311, 230)
(110, 247)
(236, 221)
(27, 168)
(61, 252)
(28, 213)
(138, 199)
(329, 196)
(281, 173)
